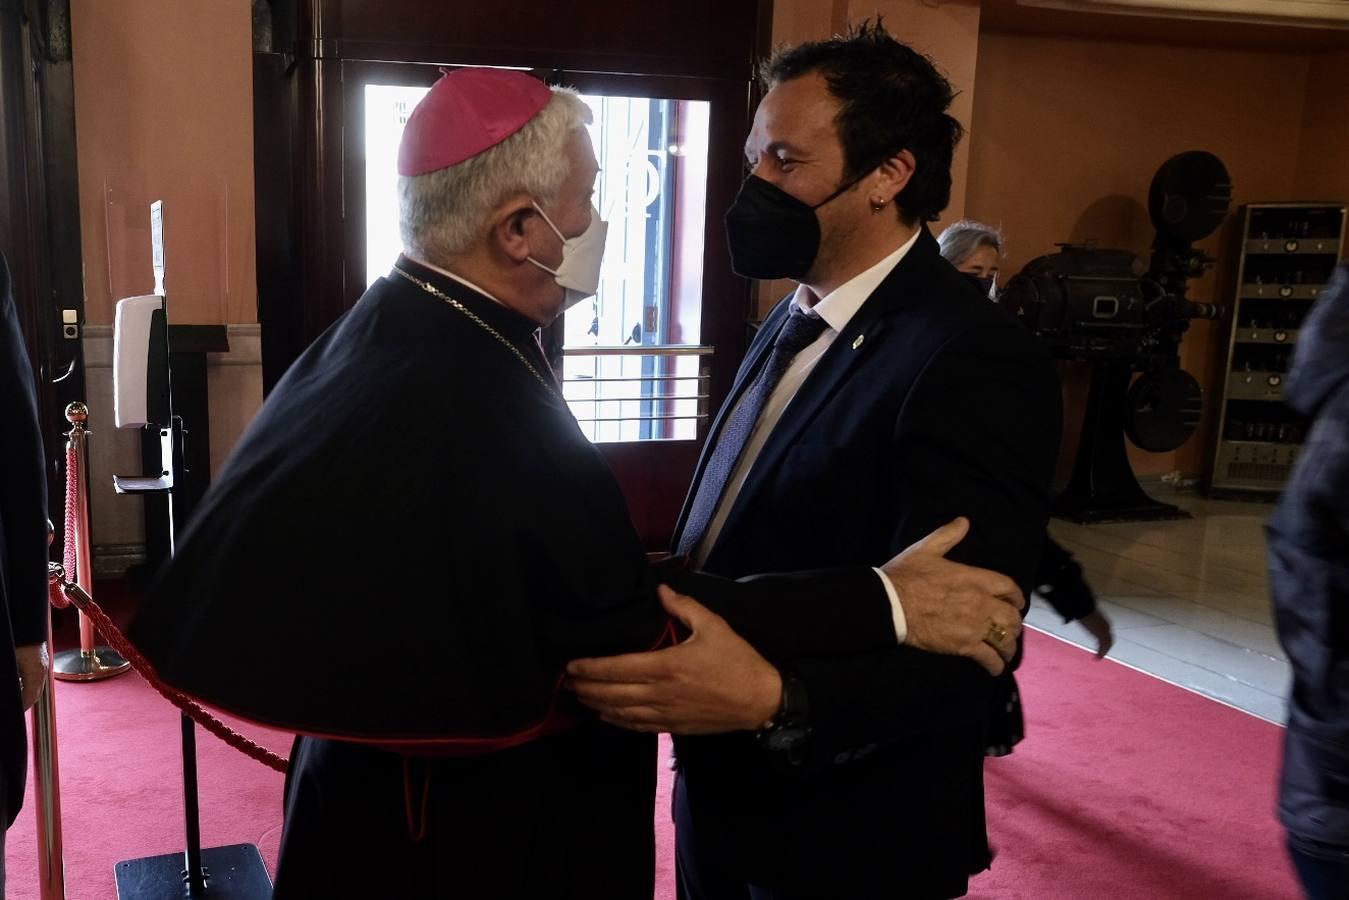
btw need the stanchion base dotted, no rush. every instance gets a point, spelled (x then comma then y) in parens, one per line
(235, 872)
(76, 665)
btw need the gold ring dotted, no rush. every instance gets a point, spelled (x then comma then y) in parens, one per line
(996, 634)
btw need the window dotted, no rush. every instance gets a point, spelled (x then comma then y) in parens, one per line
(632, 362)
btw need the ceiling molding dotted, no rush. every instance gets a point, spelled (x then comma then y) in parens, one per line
(1295, 13)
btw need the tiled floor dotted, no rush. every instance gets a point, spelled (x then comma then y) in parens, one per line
(1188, 599)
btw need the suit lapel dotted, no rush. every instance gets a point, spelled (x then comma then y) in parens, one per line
(859, 338)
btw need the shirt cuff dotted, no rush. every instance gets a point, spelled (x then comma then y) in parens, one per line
(896, 608)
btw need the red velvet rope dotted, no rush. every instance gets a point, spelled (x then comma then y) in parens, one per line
(191, 708)
(65, 592)
(68, 557)
(56, 595)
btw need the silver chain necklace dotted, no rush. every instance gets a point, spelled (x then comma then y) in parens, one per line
(477, 320)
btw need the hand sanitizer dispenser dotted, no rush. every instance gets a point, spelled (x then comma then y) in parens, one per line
(140, 364)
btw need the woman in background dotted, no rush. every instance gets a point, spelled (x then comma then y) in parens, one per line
(976, 250)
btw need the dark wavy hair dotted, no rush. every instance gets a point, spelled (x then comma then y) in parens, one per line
(891, 98)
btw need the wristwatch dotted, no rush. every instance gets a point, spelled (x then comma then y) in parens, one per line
(789, 730)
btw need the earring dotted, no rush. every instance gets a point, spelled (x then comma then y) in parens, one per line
(877, 206)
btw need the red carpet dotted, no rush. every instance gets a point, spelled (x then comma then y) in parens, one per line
(121, 789)
(1126, 788)
(1129, 788)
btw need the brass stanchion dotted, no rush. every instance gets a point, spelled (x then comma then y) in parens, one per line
(46, 774)
(89, 662)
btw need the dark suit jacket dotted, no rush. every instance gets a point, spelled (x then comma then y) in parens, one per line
(413, 489)
(409, 461)
(23, 539)
(931, 404)
(1309, 581)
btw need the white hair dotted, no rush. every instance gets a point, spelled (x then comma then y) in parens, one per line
(442, 213)
(962, 238)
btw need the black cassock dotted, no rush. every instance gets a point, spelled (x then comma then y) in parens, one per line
(405, 549)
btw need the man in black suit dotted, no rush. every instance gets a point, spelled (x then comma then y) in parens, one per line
(881, 399)
(23, 557)
(514, 540)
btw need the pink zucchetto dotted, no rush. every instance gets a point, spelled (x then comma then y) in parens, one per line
(466, 112)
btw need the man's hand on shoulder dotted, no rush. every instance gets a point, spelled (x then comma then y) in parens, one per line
(952, 608)
(713, 682)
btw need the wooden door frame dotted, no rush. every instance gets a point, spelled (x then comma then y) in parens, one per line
(40, 213)
(309, 59)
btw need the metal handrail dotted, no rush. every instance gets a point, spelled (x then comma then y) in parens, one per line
(586, 379)
(652, 399)
(670, 418)
(701, 379)
(659, 350)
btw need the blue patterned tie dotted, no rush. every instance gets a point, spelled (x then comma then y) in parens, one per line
(797, 334)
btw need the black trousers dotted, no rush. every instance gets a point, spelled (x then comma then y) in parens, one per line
(705, 870)
(570, 816)
(1323, 869)
(4, 801)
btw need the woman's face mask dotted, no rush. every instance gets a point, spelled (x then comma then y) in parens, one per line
(987, 284)
(579, 272)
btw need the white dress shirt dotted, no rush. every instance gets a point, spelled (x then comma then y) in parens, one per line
(836, 308)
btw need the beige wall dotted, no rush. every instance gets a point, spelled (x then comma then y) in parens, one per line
(805, 20)
(164, 110)
(948, 32)
(1068, 133)
(1323, 158)
(1064, 136)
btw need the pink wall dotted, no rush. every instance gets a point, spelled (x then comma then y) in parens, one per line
(1068, 133)
(1323, 158)
(164, 110)
(948, 32)
(1065, 134)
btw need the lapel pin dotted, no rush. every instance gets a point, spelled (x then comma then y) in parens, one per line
(857, 343)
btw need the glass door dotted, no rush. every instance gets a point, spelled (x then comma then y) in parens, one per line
(645, 361)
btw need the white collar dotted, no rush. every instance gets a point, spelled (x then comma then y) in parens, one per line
(842, 303)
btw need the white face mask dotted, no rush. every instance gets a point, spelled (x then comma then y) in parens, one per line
(579, 271)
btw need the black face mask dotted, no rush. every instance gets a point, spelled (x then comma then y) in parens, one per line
(771, 233)
(983, 282)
